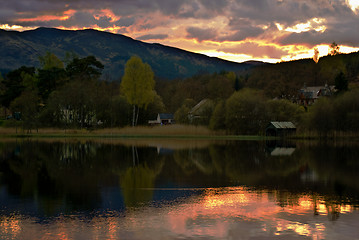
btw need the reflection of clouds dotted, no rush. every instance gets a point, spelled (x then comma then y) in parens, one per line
(236, 209)
(217, 213)
(10, 225)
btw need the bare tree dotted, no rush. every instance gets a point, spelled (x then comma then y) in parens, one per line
(334, 49)
(316, 55)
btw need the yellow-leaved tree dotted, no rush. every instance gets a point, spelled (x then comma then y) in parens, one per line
(50, 60)
(138, 85)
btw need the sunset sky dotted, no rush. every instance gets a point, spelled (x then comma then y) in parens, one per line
(237, 30)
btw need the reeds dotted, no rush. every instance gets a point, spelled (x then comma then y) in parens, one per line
(168, 130)
(156, 131)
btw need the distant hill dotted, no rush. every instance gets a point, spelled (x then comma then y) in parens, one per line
(113, 50)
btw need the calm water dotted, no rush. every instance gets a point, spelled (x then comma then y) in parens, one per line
(178, 189)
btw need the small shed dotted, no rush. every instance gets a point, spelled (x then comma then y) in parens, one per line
(280, 129)
(163, 119)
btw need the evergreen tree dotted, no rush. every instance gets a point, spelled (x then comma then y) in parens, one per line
(341, 82)
(84, 68)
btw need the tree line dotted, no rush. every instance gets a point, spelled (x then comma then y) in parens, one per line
(269, 92)
(74, 93)
(285, 78)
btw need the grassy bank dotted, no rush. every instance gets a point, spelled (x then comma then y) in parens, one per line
(169, 131)
(308, 135)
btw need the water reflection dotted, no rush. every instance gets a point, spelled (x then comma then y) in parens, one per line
(221, 190)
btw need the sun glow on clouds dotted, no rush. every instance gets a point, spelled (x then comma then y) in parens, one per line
(353, 4)
(316, 24)
(113, 29)
(15, 27)
(227, 56)
(209, 48)
(309, 52)
(106, 13)
(45, 18)
(235, 57)
(209, 36)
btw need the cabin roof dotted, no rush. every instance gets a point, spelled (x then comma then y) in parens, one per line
(283, 125)
(166, 115)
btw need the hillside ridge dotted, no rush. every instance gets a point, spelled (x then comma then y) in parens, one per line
(113, 50)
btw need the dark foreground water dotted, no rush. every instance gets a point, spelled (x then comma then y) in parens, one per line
(178, 189)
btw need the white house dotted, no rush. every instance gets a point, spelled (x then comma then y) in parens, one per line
(163, 119)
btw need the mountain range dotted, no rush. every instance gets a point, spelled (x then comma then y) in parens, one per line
(113, 50)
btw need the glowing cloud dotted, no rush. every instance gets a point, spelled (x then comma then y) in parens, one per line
(16, 27)
(108, 14)
(353, 4)
(45, 18)
(313, 24)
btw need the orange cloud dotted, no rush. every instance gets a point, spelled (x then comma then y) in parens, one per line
(45, 18)
(16, 27)
(113, 29)
(107, 13)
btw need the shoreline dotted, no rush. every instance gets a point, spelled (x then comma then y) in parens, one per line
(160, 132)
(138, 132)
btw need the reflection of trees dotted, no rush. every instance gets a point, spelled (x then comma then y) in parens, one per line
(243, 162)
(338, 166)
(61, 173)
(69, 173)
(333, 210)
(137, 184)
(193, 160)
(285, 198)
(43, 173)
(283, 166)
(246, 163)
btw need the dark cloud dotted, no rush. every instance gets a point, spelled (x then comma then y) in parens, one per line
(173, 8)
(6, 15)
(33, 8)
(85, 19)
(287, 12)
(342, 26)
(153, 37)
(204, 9)
(201, 34)
(242, 28)
(215, 5)
(342, 34)
(125, 21)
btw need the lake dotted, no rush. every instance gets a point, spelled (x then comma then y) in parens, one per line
(178, 189)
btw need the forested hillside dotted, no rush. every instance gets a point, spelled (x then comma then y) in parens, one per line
(113, 50)
(285, 78)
